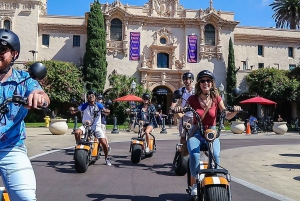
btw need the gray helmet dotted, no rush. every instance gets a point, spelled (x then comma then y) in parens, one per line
(188, 75)
(9, 38)
(205, 73)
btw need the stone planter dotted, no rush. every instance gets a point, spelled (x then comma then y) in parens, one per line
(280, 128)
(237, 127)
(58, 126)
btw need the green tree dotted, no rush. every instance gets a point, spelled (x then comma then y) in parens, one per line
(94, 60)
(231, 75)
(286, 13)
(120, 86)
(273, 83)
(62, 83)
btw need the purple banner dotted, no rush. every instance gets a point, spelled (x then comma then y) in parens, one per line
(134, 46)
(192, 49)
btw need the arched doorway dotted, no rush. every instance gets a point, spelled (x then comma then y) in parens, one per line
(163, 96)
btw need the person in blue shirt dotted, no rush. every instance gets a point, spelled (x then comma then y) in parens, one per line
(15, 167)
(147, 112)
(91, 111)
(252, 120)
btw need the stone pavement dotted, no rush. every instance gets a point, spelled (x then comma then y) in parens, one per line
(275, 168)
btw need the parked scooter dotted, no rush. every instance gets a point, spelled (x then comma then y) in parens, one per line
(138, 144)
(212, 184)
(180, 163)
(36, 71)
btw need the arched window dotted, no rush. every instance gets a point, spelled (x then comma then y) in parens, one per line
(209, 35)
(162, 60)
(7, 24)
(116, 30)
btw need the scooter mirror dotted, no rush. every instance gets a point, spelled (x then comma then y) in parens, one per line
(177, 94)
(108, 102)
(37, 71)
(158, 107)
(236, 92)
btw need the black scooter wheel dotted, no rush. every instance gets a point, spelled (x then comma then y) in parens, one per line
(82, 162)
(180, 164)
(136, 153)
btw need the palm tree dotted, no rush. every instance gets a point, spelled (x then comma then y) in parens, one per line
(287, 13)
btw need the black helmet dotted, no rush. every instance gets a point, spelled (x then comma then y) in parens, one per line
(146, 96)
(188, 75)
(9, 38)
(91, 92)
(205, 73)
(100, 97)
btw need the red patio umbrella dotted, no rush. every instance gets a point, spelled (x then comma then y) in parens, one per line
(129, 98)
(259, 100)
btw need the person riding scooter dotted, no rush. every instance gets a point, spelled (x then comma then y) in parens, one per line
(147, 112)
(89, 110)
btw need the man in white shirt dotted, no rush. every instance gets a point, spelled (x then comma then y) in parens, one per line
(187, 91)
(92, 112)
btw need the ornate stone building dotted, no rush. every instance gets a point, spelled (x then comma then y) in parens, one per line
(156, 42)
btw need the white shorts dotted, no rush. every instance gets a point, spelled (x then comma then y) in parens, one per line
(98, 132)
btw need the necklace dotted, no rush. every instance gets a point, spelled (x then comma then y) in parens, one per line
(204, 103)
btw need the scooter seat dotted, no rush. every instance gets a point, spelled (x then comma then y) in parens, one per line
(203, 147)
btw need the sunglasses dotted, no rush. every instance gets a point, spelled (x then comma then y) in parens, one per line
(4, 49)
(208, 81)
(145, 98)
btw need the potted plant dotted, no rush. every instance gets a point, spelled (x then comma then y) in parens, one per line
(238, 126)
(58, 126)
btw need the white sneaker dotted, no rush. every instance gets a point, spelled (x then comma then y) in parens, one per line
(147, 150)
(107, 161)
(194, 190)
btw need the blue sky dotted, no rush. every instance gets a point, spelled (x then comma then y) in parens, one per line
(256, 13)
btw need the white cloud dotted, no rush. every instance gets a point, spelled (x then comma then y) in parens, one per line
(265, 2)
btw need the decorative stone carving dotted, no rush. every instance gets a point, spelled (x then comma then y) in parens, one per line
(144, 62)
(9, 6)
(180, 64)
(62, 28)
(166, 33)
(165, 8)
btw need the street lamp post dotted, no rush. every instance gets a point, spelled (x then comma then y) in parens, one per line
(132, 86)
(221, 89)
(33, 53)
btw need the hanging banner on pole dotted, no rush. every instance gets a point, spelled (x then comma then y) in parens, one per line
(134, 46)
(192, 49)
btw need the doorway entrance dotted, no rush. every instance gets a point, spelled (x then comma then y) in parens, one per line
(162, 95)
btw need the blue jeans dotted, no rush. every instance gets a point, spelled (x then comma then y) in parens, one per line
(193, 145)
(17, 173)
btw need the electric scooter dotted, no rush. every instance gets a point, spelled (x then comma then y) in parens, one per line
(212, 184)
(138, 144)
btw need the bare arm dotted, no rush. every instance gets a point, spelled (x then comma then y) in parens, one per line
(38, 98)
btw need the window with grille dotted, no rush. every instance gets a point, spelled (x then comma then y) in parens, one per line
(291, 52)
(45, 39)
(76, 41)
(116, 30)
(209, 34)
(261, 65)
(260, 50)
(162, 60)
(7, 24)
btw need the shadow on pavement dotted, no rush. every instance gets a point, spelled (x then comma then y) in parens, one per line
(291, 155)
(162, 197)
(59, 166)
(287, 166)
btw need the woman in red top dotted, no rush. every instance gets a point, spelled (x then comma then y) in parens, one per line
(206, 95)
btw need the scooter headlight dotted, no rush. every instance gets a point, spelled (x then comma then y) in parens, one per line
(210, 135)
(187, 125)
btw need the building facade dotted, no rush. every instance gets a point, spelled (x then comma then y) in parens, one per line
(156, 42)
